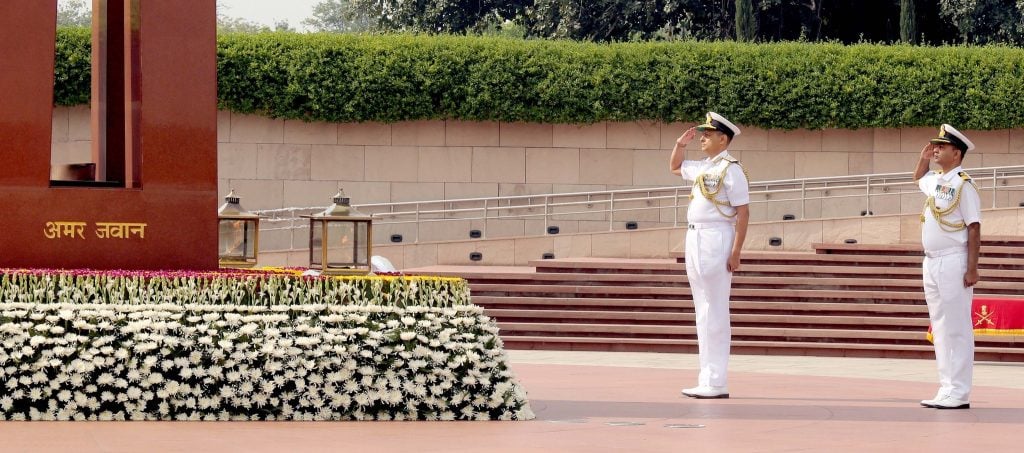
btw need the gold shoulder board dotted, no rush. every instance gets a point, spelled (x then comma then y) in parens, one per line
(964, 176)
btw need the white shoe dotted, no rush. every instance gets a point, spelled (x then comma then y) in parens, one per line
(707, 392)
(931, 402)
(948, 402)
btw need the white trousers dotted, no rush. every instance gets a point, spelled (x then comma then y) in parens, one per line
(949, 308)
(708, 247)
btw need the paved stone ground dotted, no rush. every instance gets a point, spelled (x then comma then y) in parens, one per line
(593, 401)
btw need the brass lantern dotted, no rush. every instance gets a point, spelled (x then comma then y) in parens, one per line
(340, 239)
(239, 234)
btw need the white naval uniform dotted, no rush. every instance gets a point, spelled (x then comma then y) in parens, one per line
(945, 262)
(709, 240)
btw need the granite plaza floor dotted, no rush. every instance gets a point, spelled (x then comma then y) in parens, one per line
(630, 402)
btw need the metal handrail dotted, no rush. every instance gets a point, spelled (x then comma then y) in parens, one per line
(610, 202)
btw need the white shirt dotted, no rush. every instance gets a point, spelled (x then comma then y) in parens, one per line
(945, 187)
(734, 191)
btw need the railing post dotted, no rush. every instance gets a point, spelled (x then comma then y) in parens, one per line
(675, 209)
(547, 201)
(417, 241)
(611, 211)
(867, 197)
(994, 184)
(803, 199)
(484, 228)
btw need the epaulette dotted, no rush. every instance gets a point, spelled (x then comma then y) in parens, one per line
(733, 160)
(967, 179)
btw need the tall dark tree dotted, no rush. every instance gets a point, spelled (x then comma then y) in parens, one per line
(784, 20)
(746, 21)
(698, 19)
(908, 21)
(847, 21)
(597, 20)
(986, 21)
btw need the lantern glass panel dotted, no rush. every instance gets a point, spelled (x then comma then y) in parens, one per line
(237, 239)
(316, 238)
(343, 244)
(361, 243)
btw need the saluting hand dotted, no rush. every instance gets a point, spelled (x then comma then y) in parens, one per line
(687, 136)
(928, 152)
(970, 278)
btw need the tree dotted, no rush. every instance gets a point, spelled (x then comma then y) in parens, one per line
(431, 16)
(344, 16)
(618, 20)
(746, 21)
(76, 13)
(986, 21)
(596, 20)
(908, 22)
(283, 25)
(792, 20)
(934, 22)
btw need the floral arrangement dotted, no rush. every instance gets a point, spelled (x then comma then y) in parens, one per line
(248, 345)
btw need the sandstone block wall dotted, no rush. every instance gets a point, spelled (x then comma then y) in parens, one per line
(275, 163)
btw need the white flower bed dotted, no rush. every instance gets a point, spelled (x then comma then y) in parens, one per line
(62, 360)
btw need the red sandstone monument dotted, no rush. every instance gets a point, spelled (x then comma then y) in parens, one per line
(148, 199)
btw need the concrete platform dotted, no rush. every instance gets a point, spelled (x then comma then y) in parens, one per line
(630, 402)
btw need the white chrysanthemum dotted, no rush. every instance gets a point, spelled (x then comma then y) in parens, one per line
(134, 393)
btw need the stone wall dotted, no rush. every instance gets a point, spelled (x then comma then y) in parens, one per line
(274, 163)
(277, 163)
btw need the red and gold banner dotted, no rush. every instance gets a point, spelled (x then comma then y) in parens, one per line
(996, 317)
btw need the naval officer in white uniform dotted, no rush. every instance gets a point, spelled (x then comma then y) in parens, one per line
(951, 234)
(717, 219)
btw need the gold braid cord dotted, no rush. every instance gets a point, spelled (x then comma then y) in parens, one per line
(939, 214)
(710, 195)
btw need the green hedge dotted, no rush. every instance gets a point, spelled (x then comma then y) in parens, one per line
(349, 78)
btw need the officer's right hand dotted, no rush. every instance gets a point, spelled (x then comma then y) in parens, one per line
(928, 152)
(687, 136)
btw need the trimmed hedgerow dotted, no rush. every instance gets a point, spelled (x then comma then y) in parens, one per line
(350, 78)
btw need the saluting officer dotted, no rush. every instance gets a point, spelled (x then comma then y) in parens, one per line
(717, 218)
(951, 234)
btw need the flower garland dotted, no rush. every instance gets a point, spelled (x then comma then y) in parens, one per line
(265, 287)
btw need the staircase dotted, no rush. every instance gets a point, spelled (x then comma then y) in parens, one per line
(842, 300)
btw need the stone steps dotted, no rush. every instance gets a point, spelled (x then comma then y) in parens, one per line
(841, 299)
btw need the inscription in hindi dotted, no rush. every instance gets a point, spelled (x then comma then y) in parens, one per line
(104, 230)
(57, 230)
